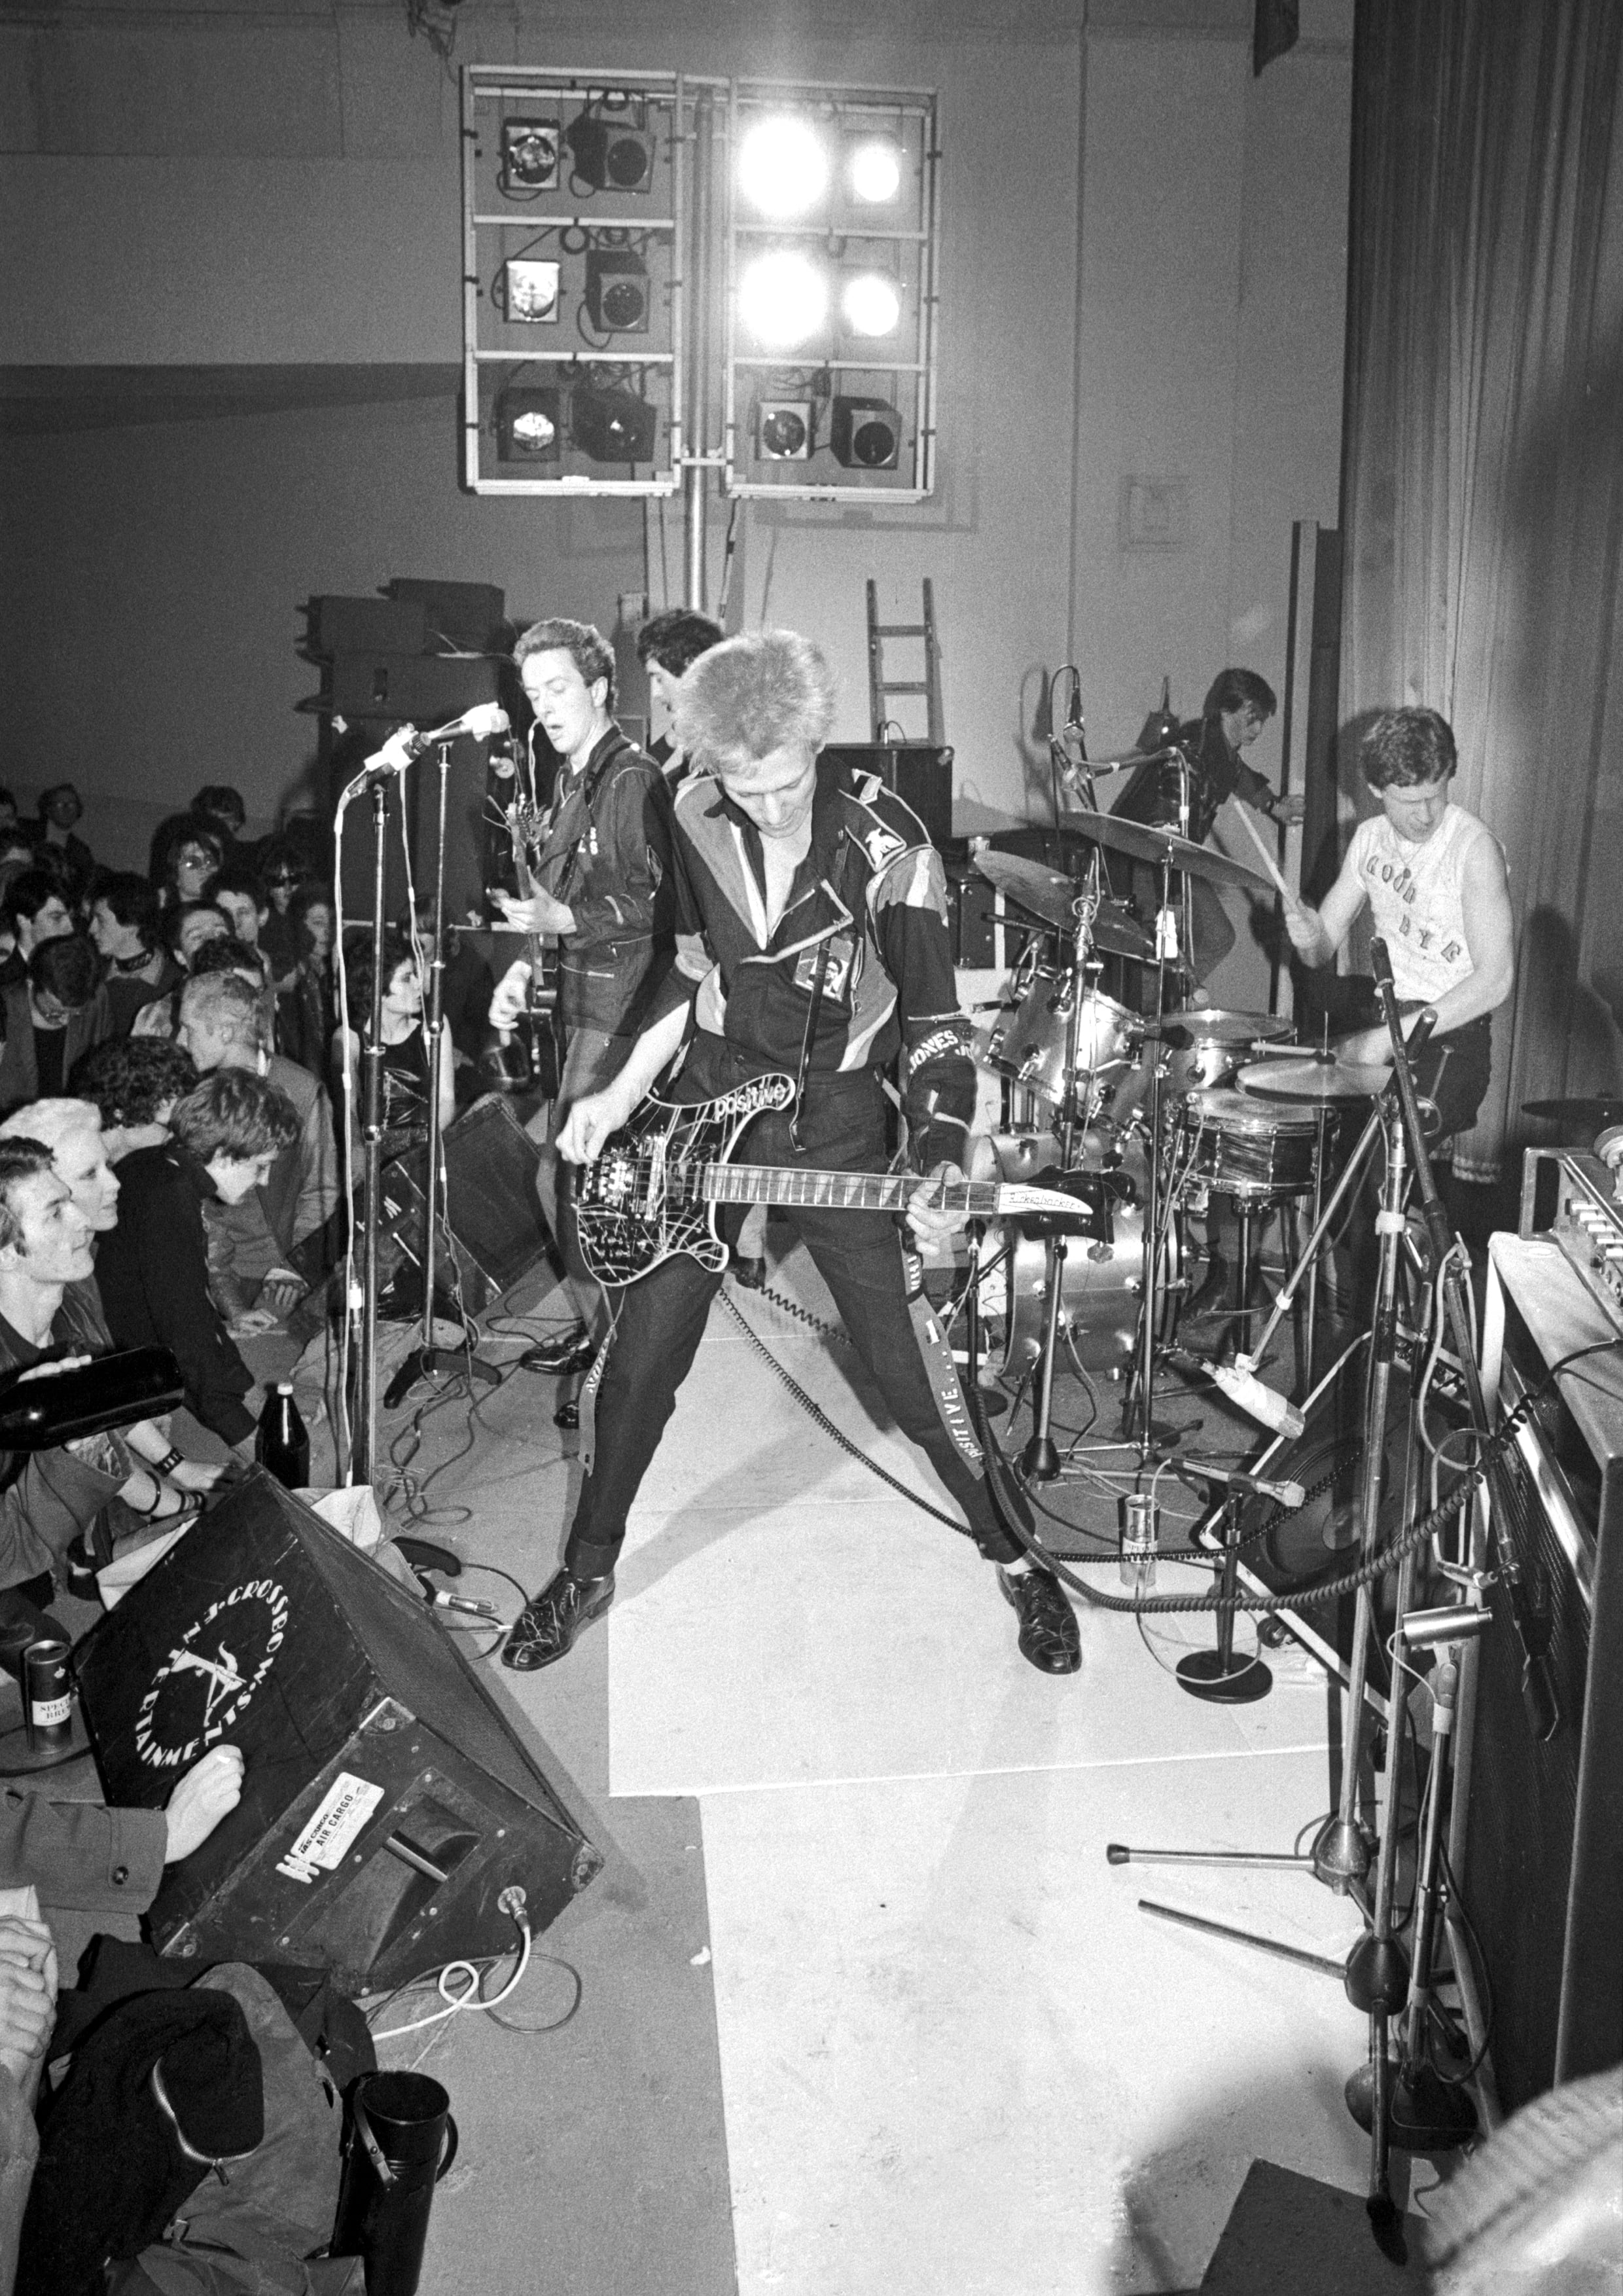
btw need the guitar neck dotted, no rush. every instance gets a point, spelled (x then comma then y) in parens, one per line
(853, 1192)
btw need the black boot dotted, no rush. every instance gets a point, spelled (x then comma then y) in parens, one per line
(1048, 1632)
(551, 1622)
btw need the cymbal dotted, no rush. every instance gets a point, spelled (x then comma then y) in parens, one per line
(1577, 1115)
(1047, 894)
(1318, 1079)
(1147, 843)
(1212, 1024)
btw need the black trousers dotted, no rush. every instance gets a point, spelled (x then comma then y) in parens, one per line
(660, 1320)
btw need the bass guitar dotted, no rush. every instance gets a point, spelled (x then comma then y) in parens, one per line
(653, 1191)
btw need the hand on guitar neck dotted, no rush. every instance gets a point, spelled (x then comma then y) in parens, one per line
(538, 913)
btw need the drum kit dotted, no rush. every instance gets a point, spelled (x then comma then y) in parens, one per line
(1165, 1101)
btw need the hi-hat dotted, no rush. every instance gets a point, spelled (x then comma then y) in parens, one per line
(1145, 842)
(1577, 1115)
(1045, 893)
(1320, 1078)
(1212, 1024)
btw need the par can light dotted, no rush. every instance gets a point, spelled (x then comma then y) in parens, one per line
(607, 157)
(783, 430)
(527, 426)
(783, 166)
(612, 426)
(873, 170)
(782, 299)
(865, 434)
(616, 290)
(871, 304)
(530, 291)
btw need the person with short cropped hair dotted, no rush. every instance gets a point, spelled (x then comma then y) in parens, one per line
(134, 1081)
(603, 880)
(1434, 877)
(35, 909)
(128, 931)
(1238, 705)
(812, 940)
(58, 1014)
(667, 645)
(222, 1027)
(221, 807)
(153, 1269)
(61, 809)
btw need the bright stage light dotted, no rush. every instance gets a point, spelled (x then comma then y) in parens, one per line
(871, 304)
(782, 299)
(873, 170)
(783, 166)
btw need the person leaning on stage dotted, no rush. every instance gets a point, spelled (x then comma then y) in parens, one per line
(1238, 705)
(1434, 878)
(153, 1269)
(812, 940)
(667, 645)
(603, 871)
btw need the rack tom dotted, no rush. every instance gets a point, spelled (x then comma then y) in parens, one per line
(1028, 1046)
(1222, 1043)
(1252, 1149)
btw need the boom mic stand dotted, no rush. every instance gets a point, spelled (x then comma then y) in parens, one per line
(1040, 1460)
(426, 1361)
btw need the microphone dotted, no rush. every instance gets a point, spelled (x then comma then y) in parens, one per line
(1283, 1493)
(1381, 963)
(406, 743)
(1248, 1394)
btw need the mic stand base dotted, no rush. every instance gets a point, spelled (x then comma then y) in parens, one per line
(1040, 1462)
(1341, 1855)
(431, 1364)
(1424, 2114)
(1206, 1674)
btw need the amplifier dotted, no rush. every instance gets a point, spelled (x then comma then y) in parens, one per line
(921, 775)
(1537, 1843)
(497, 1233)
(1571, 1197)
(428, 689)
(366, 625)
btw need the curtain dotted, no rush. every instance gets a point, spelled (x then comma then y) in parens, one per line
(1482, 480)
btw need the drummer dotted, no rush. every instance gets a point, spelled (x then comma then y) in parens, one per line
(1434, 878)
(1237, 707)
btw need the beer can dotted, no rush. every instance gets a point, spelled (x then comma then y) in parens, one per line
(47, 1692)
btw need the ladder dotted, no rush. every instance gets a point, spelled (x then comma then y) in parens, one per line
(880, 692)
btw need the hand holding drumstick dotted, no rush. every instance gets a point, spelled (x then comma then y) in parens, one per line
(1302, 923)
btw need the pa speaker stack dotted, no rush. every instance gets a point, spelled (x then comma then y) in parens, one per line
(497, 1233)
(391, 1815)
(919, 773)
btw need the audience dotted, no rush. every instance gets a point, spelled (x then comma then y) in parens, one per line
(8, 811)
(221, 1028)
(127, 929)
(36, 910)
(222, 808)
(306, 1014)
(59, 810)
(186, 851)
(282, 874)
(59, 1013)
(153, 1267)
(189, 928)
(134, 1082)
(237, 891)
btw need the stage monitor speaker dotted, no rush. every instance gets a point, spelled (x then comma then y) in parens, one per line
(426, 689)
(921, 775)
(497, 1233)
(389, 1807)
(1541, 1871)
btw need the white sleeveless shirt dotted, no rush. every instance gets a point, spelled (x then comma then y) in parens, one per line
(1414, 893)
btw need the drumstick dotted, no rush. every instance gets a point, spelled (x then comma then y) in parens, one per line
(1268, 862)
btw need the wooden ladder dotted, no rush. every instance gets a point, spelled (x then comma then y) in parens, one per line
(881, 693)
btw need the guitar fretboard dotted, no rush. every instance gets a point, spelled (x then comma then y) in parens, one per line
(771, 1184)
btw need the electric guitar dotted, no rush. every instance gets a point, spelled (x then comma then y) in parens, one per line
(511, 1066)
(653, 1191)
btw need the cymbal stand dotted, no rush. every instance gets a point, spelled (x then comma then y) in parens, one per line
(1307, 1258)
(1040, 1459)
(1141, 1392)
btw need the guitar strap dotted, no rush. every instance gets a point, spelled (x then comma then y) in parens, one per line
(942, 1371)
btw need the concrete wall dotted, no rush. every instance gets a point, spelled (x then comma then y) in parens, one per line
(1143, 268)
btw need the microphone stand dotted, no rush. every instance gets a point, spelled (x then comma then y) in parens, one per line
(364, 1449)
(1040, 1460)
(426, 1361)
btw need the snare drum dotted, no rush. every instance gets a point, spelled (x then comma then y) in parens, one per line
(1028, 1046)
(1252, 1149)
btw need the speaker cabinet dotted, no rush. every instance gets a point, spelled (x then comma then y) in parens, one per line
(1542, 1867)
(389, 1807)
(921, 775)
(497, 1233)
(428, 689)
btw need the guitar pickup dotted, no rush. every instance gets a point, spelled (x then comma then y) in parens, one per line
(1094, 1195)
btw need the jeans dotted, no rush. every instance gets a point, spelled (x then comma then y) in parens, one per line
(660, 1320)
(592, 1059)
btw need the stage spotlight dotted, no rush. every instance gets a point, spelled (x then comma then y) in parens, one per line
(783, 430)
(872, 304)
(530, 157)
(530, 291)
(865, 434)
(783, 166)
(782, 299)
(613, 426)
(607, 157)
(873, 170)
(527, 426)
(616, 290)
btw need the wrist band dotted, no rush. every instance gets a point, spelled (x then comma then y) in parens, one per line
(171, 1459)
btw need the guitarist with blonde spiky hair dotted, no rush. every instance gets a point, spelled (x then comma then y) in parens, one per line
(811, 944)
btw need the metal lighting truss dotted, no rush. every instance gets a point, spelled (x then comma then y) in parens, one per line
(684, 355)
(606, 236)
(837, 371)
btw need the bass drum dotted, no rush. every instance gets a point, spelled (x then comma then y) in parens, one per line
(1101, 1284)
